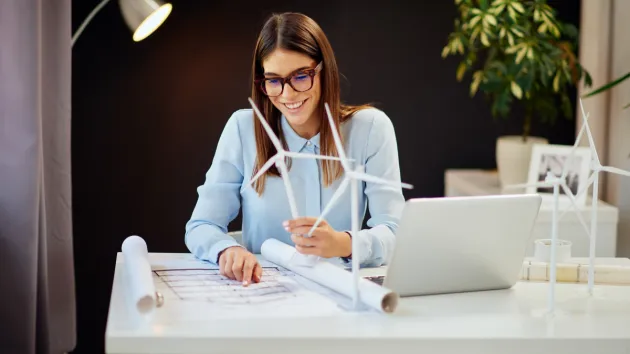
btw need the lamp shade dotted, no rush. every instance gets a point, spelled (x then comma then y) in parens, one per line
(144, 16)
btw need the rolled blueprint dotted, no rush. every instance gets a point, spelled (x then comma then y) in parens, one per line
(331, 276)
(141, 288)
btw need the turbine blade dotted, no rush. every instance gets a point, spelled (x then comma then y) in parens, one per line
(525, 185)
(299, 155)
(616, 170)
(569, 160)
(374, 179)
(336, 137)
(568, 193)
(284, 172)
(591, 142)
(331, 203)
(274, 139)
(590, 181)
(264, 168)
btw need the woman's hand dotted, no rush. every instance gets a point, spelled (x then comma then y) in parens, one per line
(324, 242)
(238, 263)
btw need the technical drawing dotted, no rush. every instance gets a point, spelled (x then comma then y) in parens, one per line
(209, 285)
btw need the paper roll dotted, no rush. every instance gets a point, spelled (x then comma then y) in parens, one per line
(139, 275)
(331, 276)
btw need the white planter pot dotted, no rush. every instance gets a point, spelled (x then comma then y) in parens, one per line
(513, 157)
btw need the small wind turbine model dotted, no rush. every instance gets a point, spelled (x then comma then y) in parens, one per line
(556, 182)
(596, 167)
(351, 177)
(278, 160)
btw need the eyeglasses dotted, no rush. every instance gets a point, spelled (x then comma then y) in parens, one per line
(300, 81)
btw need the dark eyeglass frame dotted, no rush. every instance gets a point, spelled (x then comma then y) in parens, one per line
(260, 82)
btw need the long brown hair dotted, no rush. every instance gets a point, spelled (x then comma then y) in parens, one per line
(299, 33)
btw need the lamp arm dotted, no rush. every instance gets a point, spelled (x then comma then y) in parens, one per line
(88, 19)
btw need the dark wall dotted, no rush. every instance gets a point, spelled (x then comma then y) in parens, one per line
(147, 116)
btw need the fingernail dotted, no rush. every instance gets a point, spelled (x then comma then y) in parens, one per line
(285, 224)
(245, 282)
(287, 228)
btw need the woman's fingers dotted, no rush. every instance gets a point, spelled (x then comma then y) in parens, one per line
(303, 221)
(248, 269)
(222, 262)
(227, 266)
(257, 277)
(237, 266)
(304, 230)
(308, 250)
(305, 241)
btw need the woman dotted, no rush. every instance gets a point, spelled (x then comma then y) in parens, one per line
(295, 74)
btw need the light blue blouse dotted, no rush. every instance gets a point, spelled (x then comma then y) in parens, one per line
(368, 138)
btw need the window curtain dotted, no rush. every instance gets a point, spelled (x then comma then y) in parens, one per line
(37, 296)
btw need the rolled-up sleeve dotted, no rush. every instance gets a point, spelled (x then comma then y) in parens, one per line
(385, 202)
(218, 198)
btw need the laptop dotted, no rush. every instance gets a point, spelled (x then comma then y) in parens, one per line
(460, 244)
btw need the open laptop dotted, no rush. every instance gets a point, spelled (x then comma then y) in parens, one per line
(461, 244)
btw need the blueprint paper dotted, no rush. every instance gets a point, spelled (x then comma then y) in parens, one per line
(194, 290)
(140, 282)
(331, 276)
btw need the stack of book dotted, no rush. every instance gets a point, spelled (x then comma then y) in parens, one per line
(613, 271)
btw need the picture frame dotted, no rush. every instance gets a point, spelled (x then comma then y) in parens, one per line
(550, 157)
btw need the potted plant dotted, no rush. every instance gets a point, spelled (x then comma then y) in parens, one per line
(517, 52)
(610, 85)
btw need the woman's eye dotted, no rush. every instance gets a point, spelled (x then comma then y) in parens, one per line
(273, 82)
(300, 77)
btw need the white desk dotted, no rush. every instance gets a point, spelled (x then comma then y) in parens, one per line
(505, 321)
(484, 182)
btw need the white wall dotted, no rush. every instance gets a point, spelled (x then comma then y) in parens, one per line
(605, 53)
(618, 190)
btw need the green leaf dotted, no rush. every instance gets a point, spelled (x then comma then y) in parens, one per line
(445, 51)
(518, 7)
(484, 39)
(490, 19)
(608, 85)
(498, 10)
(588, 81)
(626, 106)
(526, 80)
(517, 32)
(474, 85)
(511, 39)
(570, 30)
(499, 66)
(556, 82)
(521, 54)
(516, 90)
(513, 49)
(473, 22)
(461, 70)
(512, 13)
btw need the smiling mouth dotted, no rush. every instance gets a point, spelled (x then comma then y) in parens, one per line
(295, 105)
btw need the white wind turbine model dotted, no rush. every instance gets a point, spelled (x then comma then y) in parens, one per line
(596, 167)
(351, 177)
(278, 160)
(556, 182)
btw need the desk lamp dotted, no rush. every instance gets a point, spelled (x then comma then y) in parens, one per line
(142, 16)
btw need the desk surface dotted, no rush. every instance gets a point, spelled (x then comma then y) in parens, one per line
(512, 320)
